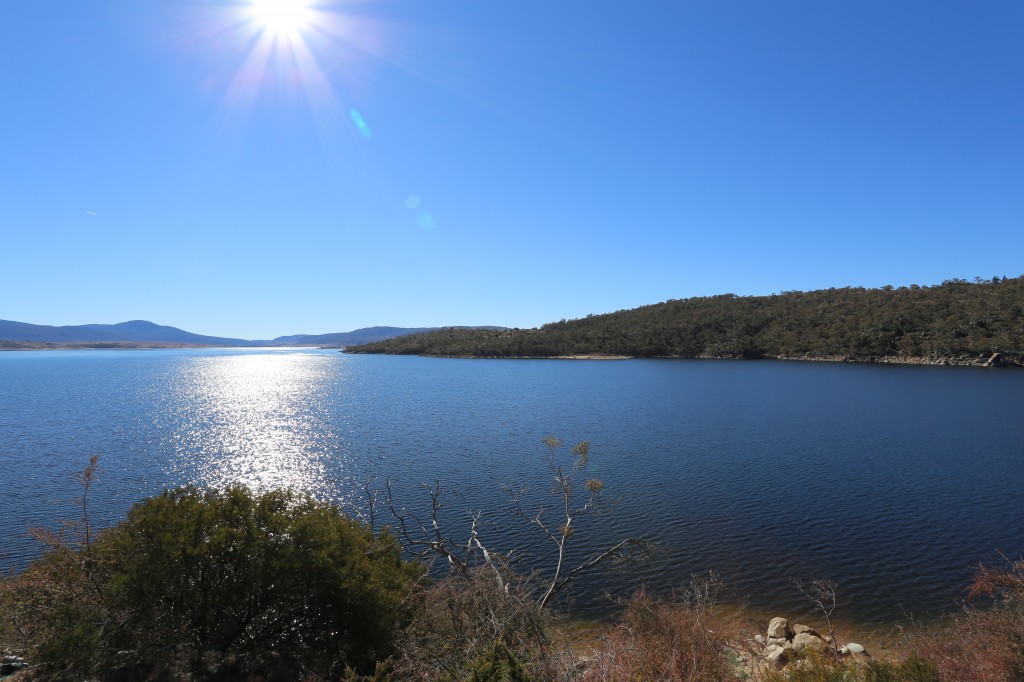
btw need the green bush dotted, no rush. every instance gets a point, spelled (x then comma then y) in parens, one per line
(913, 669)
(497, 665)
(215, 583)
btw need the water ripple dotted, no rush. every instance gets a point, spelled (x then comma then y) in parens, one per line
(893, 482)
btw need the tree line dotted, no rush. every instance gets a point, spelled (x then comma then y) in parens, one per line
(957, 320)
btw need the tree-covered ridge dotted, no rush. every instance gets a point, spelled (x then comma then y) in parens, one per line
(954, 321)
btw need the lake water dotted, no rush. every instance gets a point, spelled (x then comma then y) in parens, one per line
(894, 482)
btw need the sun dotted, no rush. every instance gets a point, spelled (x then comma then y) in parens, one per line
(285, 18)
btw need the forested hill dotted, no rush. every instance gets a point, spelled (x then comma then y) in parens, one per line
(957, 322)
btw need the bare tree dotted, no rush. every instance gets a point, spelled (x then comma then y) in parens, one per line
(558, 523)
(822, 594)
(425, 538)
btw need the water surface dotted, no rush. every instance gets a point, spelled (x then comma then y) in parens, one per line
(894, 482)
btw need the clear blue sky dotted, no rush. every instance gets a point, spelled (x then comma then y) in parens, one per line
(228, 170)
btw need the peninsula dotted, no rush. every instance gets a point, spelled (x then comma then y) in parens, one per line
(956, 323)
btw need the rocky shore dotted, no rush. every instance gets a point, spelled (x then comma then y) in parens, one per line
(779, 646)
(994, 360)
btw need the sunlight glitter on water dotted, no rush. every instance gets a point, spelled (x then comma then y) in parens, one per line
(258, 419)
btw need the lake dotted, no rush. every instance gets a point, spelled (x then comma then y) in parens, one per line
(892, 481)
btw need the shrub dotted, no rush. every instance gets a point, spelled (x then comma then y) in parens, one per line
(674, 642)
(215, 583)
(465, 620)
(913, 669)
(818, 666)
(984, 642)
(497, 665)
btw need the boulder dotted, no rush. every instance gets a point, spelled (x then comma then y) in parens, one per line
(800, 629)
(805, 640)
(778, 658)
(781, 641)
(779, 628)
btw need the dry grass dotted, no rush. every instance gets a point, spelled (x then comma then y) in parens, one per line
(667, 641)
(983, 643)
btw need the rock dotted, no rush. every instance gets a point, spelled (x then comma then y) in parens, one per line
(779, 628)
(843, 651)
(800, 629)
(778, 640)
(759, 639)
(778, 658)
(828, 639)
(805, 640)
(854, 648)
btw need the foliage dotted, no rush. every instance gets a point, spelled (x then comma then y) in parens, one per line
(458, 622)
(382, 673)
(984, 642)
(215, 583)
(821, 666)
(497, 665)
(952, 321)
(913, 669)
(670, 642)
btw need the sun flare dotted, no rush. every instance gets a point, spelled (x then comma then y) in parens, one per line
(281, 17)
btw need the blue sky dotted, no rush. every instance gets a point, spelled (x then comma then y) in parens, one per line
(428, 162)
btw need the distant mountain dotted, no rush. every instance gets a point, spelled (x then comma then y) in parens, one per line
(356, 337)
(18, 334)
(136, 330)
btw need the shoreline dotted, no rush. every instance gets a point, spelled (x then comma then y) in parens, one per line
(996, 360)
(132, 345)
(741, 624)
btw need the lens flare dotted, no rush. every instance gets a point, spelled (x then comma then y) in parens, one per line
(357, 118)
(426, 220)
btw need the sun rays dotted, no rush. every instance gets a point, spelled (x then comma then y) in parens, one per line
(282, 18)
(280, 46)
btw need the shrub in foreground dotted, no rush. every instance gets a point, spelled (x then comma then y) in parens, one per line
(673, 642)
(213, 583)
(984, 643)
(470, 625)
(821, 666)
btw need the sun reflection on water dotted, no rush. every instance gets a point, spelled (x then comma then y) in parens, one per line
(259, 419)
